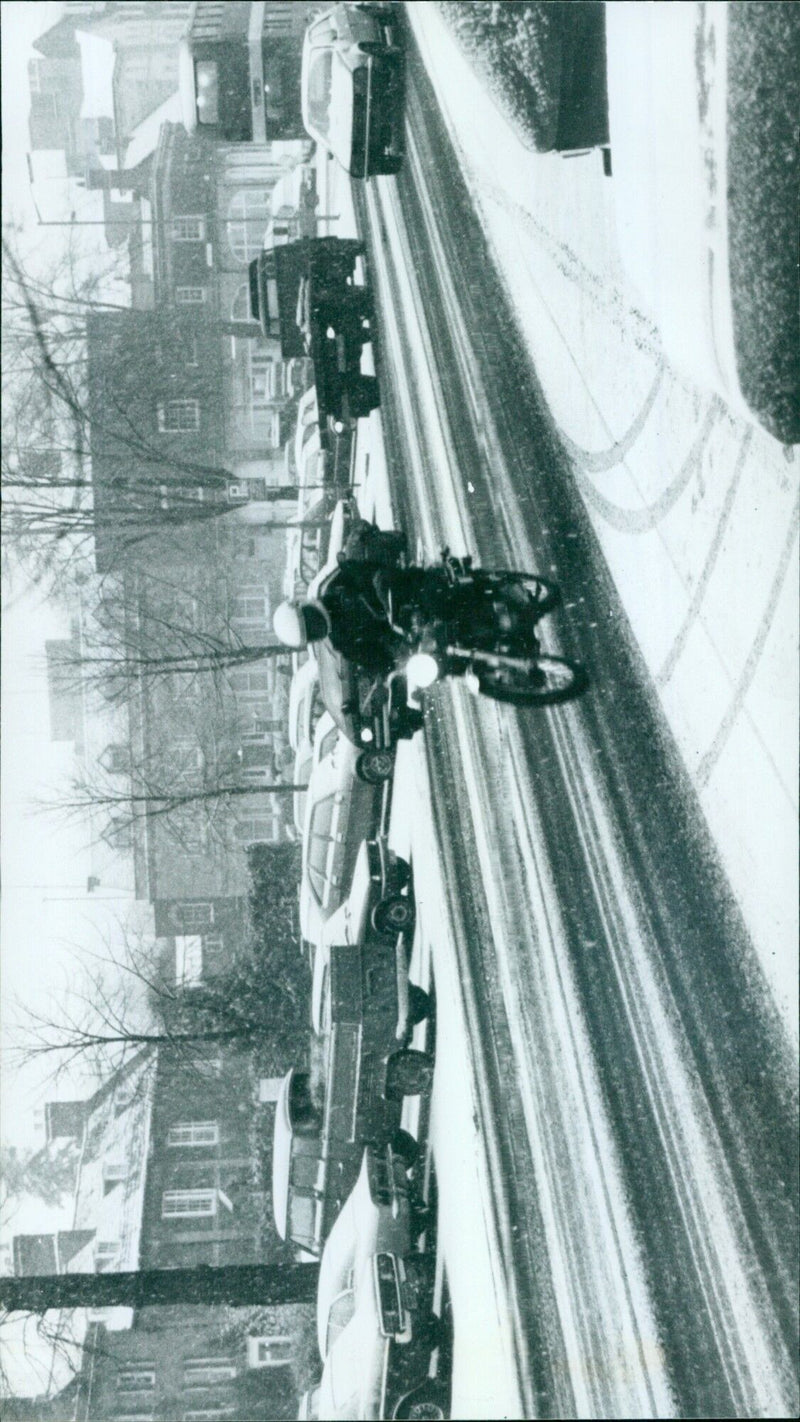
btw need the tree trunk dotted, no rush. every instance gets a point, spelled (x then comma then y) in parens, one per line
(233, 1284)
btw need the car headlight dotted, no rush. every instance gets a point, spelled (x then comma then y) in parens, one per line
(422, 669)
(366, 734)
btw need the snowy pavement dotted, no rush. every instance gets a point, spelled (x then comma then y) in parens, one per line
(695, 508)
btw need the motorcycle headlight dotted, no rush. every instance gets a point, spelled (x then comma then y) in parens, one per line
(422, 669)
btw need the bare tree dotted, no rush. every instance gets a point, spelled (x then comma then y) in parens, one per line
(82, 454)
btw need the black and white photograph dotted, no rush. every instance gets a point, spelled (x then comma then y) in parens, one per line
(400, 467)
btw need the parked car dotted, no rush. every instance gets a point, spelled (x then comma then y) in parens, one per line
(342, 809)
(375, 1326)
(302, 770)
(377, 915)
(315, 468)
(350, 1096)
(353, 86)
(305, 705)
(307, 423)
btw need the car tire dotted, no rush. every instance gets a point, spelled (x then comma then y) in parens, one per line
(408, 1073)
(428, 1401)
(405, 1147)
(364, 396)
(412, 721)
(419, 1004)
(392, 915)
(399, 875)
(375, 766)
(391, 164)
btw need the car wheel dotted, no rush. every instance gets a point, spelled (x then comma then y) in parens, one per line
(408, 1073)
(419, 1003)
(392, 915)
(412, 721)
(399, 874)
(364, 396)
(375, 766)
(391, 163)
(405, 1147)
(426, 1402)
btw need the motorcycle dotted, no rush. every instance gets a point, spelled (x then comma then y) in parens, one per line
(450, 619)
(480, 624)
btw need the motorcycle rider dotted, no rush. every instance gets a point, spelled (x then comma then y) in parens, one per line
(351, 611)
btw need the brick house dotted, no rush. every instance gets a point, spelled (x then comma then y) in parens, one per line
(165, 1177)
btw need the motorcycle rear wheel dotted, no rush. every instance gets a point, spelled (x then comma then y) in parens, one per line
(559, 680)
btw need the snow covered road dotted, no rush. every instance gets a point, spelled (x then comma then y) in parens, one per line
(620, 1003)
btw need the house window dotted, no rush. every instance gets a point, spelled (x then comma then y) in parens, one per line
(114, 1172)
(186, 1204)
(249, 605)
(188, 229)
(190, 295)
(203, 1372)
(191, 351)
(269, 1352)
(255, 829)
(106, 1252)
(193, 1133)
(248, 215)
(211, 1068)
(196, 916)
(177, 416)
(141, 1379)
(249, 681)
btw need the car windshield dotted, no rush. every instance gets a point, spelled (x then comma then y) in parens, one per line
(353, 1372)
(335, 684)
(320, 72)
(339, 1315)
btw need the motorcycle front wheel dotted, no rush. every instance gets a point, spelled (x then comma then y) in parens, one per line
(555, 681)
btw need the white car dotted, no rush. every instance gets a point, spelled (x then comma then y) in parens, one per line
(305, 706)
(352, 86)
(342, 810)
(302, 769)
(307, 423)
(375, 1326)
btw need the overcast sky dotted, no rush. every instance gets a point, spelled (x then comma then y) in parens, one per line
(46, 915)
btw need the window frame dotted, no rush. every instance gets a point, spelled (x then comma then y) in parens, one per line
(178, 406)
(196, 1195)
(198, 297)
(183, 234)
(193, 1134)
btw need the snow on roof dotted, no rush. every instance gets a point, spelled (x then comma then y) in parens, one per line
(109, 1196)
(97, 73)
(144, 138)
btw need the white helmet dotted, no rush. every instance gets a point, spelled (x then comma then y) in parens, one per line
(298, 623)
